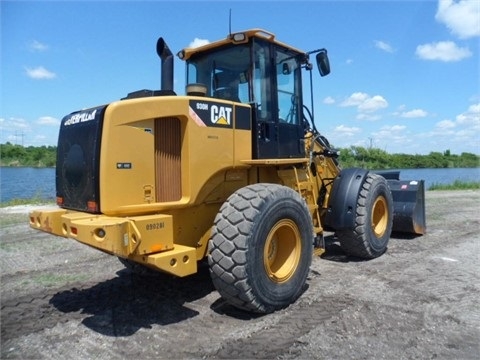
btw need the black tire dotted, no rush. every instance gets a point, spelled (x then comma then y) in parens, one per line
(261, 248)
(373, 223)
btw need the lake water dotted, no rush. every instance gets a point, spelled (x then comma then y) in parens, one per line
(26, 183)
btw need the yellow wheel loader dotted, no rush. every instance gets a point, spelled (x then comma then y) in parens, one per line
(234, 172)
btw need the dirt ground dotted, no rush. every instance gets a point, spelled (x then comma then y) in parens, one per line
(420, 300)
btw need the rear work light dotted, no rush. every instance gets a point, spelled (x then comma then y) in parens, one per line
(92, 206)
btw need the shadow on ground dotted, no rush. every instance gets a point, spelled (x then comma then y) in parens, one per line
(122, 305)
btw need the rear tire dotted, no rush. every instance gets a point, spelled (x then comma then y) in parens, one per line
(261, 248)
(373, 223)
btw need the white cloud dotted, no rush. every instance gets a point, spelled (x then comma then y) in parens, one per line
(373, 104)
(347, 131)
(462, 133)
(198, 42)
(18, 123)
(471, 116)
(48, 120)
(390, 129)
(382, 45)
(394, 128)
(349, 61)
(365, 103)
(41, 131)
(445, 124)
(443, 50)
(475, 108)
(40, 73)
(369, 117)
(329, 100)
(474, 98)
(14, 124)
(393, 133)
(37, 46)
(461, 17)
(415, 113)
(355, 99)
(465, 135)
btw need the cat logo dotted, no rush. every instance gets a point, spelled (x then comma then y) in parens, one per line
(221, 115)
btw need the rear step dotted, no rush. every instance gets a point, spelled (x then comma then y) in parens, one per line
(408, 203)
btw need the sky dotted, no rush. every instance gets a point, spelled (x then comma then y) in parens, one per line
(404, 74)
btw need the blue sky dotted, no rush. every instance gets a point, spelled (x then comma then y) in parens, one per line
(405, 74)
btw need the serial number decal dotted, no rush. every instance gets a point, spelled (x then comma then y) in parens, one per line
(127, 166)
(155, 226)
(202, 106)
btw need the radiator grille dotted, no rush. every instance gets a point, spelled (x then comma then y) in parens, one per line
(168, 170)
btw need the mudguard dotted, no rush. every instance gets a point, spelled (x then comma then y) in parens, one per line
(341, 211)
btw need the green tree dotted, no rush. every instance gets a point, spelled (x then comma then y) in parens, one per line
(17, 155)
(374, 158)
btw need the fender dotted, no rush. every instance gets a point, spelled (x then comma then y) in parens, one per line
(342, 204)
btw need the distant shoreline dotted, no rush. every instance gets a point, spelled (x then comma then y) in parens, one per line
(30, 166)
(376, 169)
(26, 205)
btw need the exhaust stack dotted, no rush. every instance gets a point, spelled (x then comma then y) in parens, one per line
(166, 57)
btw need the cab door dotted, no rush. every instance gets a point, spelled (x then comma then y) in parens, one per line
(265, 125)
(289, 104)
(276, 103)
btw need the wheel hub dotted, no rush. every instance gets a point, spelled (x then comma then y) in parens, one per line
(379, 216)
(282, 251)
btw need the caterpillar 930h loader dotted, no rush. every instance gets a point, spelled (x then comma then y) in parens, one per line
(234, 172)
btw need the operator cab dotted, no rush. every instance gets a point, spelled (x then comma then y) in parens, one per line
(252, 68)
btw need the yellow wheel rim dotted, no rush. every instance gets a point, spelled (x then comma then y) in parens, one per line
(281, 254)
(380, 216)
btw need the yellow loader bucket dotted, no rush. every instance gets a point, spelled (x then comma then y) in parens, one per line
(408, 203)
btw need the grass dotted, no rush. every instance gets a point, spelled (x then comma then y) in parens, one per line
(457, 185)
(36, 200)
(7, 219)
(49, 280)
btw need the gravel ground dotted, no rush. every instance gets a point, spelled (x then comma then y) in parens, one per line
(62, 300)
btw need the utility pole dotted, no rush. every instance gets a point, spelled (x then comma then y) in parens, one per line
(16, 137)
(371, 142)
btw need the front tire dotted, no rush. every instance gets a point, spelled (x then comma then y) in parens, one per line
(261, 248)
(374, 219)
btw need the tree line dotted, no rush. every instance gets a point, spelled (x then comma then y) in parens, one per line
(354, 156)
(35, 156)
(374, 158)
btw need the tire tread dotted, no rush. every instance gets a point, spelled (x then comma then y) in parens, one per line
(229, 245)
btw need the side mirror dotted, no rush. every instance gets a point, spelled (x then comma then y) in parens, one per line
(323, 63)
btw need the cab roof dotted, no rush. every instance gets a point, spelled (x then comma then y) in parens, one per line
(241, 37)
